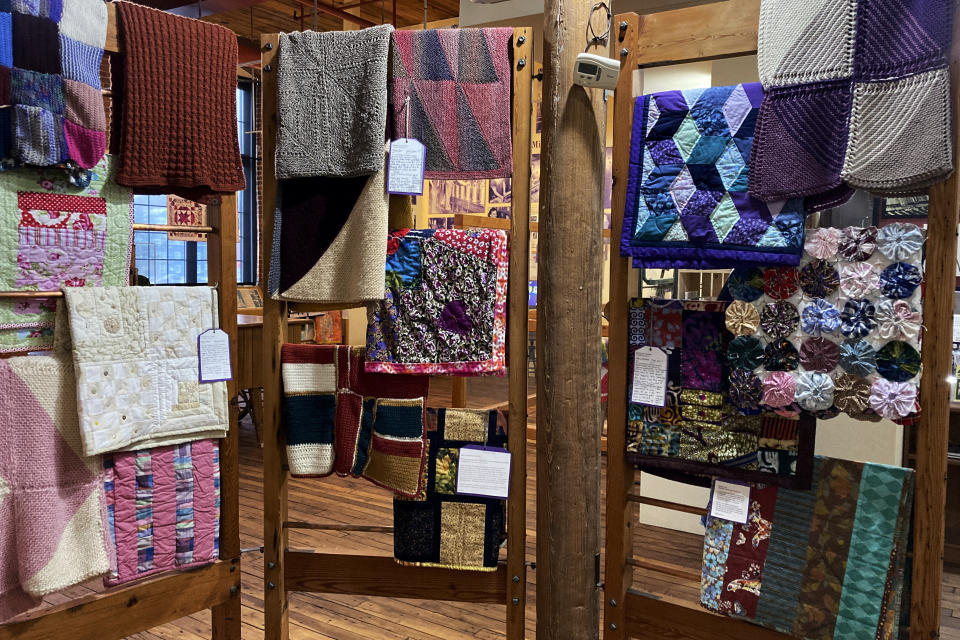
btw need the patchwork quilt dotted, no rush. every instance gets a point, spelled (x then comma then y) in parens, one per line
(450, 89)
(50, 53)
(445, 306)
(839, 334)
(441, 528)
(341, 419)
(135, 352)
(696, 430)
(60, 235)
(687, 201)
(163, 508)
(823, 563)
(858, 96)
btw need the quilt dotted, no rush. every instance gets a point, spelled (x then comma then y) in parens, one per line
(163, 508)
(858, 97)
(50, 53)
(60, 235)
(441, 528)
(445, 306)
(135, 352)
(839, 334)
(450, 89)
(823, 563)
(687, 201)
(339, 418)
(692, 427)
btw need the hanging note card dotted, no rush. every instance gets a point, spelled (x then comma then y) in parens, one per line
(405, 167)
(213, 349)
(730, 501)
(483, 471)
(649, 377)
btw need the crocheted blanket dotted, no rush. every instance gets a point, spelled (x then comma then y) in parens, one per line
(450, 89)
(135, 351)
(841, 333)
(858, 96)
(340, 419)
(331, 102)
(175, 131)
(51, 496)
(63, 236)
(687, 201)
(50, 55)
(824, 563)
(441, 528)
(693, 427)
(445, 306)
(328, 240)
(163, 509)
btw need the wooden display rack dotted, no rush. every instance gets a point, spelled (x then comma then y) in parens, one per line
(723, 30)
(122, 611)
(306, 571)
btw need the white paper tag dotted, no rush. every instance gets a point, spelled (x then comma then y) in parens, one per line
(956, 327)
(730, 501)
(649, 377)
(213, 349)
(405, 167)
(483, 472)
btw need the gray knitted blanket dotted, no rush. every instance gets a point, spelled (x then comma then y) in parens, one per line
(332, 102)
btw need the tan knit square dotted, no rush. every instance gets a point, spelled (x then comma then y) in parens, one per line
(399, 473)
(466, 424)
(461, 534)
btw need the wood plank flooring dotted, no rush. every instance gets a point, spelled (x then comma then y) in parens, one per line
(335, 617)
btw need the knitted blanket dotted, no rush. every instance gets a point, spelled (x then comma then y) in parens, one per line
(175, 131)
(445, 306)
(441, 528)
(331, 102)
(450, 89)
(824, 563)
(340, 419)
(58, 235)
(50, 56)
(687, 201)
(328, 240)
(858, 96)
(135, 351)
(51, 496)
(163, 509)
(694, 426)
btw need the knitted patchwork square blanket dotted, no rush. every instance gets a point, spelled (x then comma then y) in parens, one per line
(687, 201)
(163, 508)
(135, 351)
(696, 430)
(50, 53)
(450, 89)
(445, 306)
(823, 563)
(331, 102)
(341, 419)
(858, 96)
(441, 528)
(63, 236)
(175, 131)
(51, 495)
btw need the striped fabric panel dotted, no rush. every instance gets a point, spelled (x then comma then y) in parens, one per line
(216, 499)
(183, 472)
(78, 238)
(144, 510)
(109, 485)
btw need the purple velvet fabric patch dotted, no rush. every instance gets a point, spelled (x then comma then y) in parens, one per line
(454, 318)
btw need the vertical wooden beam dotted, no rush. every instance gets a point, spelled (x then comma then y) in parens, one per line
(934, 425)
(222, 269)
(276, 622)
(621, 513)
(459, 392)
(568, 334)
(517, 333)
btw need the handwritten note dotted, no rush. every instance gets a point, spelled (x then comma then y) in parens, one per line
(405, 167)
(213, 349)
(649, 377)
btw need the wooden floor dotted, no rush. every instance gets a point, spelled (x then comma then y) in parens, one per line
(334, 617)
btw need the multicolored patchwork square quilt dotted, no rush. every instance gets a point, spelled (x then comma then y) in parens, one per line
(823, 563)
(687, 201)
(441, 528)
(341, 419)
(163, 508)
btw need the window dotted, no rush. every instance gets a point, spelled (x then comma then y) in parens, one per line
(166, 261)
